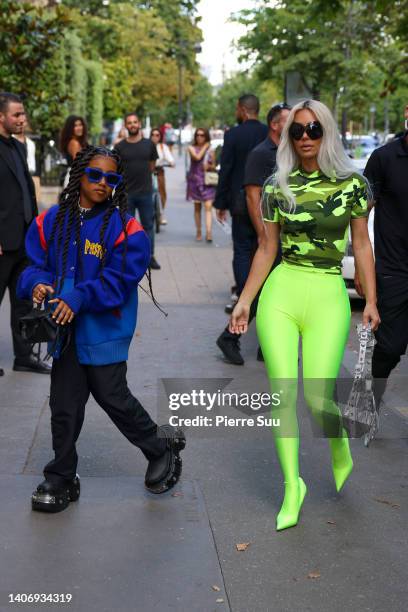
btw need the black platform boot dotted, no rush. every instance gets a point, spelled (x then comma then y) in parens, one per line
(163, 473)
(55, 496)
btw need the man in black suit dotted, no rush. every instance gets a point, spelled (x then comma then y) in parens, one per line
(238, 142)
(17, 209)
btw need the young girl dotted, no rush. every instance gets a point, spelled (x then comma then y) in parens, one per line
(88, 255)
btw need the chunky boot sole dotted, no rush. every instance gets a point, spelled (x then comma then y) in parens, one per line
(58, 501)
(74, 489)
(45, 502)
(177, 443)
(18, 368)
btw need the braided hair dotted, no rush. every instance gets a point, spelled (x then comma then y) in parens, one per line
(68, 217)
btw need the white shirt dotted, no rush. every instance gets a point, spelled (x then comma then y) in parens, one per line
(30, 148)
(165, 156)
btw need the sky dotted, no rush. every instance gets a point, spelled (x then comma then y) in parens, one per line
(218, 36)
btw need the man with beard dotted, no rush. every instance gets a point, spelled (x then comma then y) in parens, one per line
(17, 210)
(139, 156)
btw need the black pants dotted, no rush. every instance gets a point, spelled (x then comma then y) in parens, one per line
(71, 384)
(12, 263)
(245, 244)
(144, 204)
(392, 333)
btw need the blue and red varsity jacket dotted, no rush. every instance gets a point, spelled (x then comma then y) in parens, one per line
(105, 312)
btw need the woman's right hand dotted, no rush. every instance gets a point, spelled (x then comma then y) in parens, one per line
(239, 319)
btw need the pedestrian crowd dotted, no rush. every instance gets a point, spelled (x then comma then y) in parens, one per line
(291, 192)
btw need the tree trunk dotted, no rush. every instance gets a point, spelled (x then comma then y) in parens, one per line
(344, 124)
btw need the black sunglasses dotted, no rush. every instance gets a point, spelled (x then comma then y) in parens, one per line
(95, 175)
(313, 129)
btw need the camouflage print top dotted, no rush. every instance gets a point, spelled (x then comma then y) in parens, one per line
(315, 235)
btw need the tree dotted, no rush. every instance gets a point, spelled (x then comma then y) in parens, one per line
(138, 53)
(202, 102)
(228, 93)
(31, 62)
(94, 102)
(332, 41)
(76, 80)
(237, 85)
(97, 59)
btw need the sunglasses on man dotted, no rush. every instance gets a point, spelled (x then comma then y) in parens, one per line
(95, 175)
(313, 129)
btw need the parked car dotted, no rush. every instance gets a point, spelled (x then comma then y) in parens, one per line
(348, 261)
(360, 149)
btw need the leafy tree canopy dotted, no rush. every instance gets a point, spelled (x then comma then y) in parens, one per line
(335, 44)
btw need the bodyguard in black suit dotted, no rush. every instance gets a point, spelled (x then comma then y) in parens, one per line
(17, 210)
(238, 142)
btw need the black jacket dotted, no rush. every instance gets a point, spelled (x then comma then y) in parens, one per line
(387, 171)
(238, 142)
(12, 224)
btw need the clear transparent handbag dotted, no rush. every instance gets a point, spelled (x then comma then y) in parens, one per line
(360, 416)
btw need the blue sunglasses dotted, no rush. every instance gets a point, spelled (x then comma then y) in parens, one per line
(95, 175)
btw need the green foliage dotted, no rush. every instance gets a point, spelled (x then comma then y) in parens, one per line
(97, 60)
(202, 103)
(268, 92)
(139, 54)
(31, 63)
(77, 79)
(228, 93)
(333, 43)
(94, 103)
(395, 16)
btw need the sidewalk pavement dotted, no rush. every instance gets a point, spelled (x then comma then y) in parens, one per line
(120, 548)
(49, 196)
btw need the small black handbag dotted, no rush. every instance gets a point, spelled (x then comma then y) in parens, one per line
(38, 326)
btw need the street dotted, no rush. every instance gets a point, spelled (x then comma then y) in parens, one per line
(121, 548)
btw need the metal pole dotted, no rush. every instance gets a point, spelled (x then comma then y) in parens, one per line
(180, 104)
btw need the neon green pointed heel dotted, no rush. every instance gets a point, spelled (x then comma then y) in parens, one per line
(292, 503)
(342, 462)
(342, 473)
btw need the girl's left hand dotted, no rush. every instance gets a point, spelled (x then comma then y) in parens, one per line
(63, 312)
(370, 315)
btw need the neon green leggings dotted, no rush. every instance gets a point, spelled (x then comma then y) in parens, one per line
(316, 306)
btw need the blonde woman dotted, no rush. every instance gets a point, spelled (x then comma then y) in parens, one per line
(313, 197)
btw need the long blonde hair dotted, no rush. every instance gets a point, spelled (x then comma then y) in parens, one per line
(332, 159)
